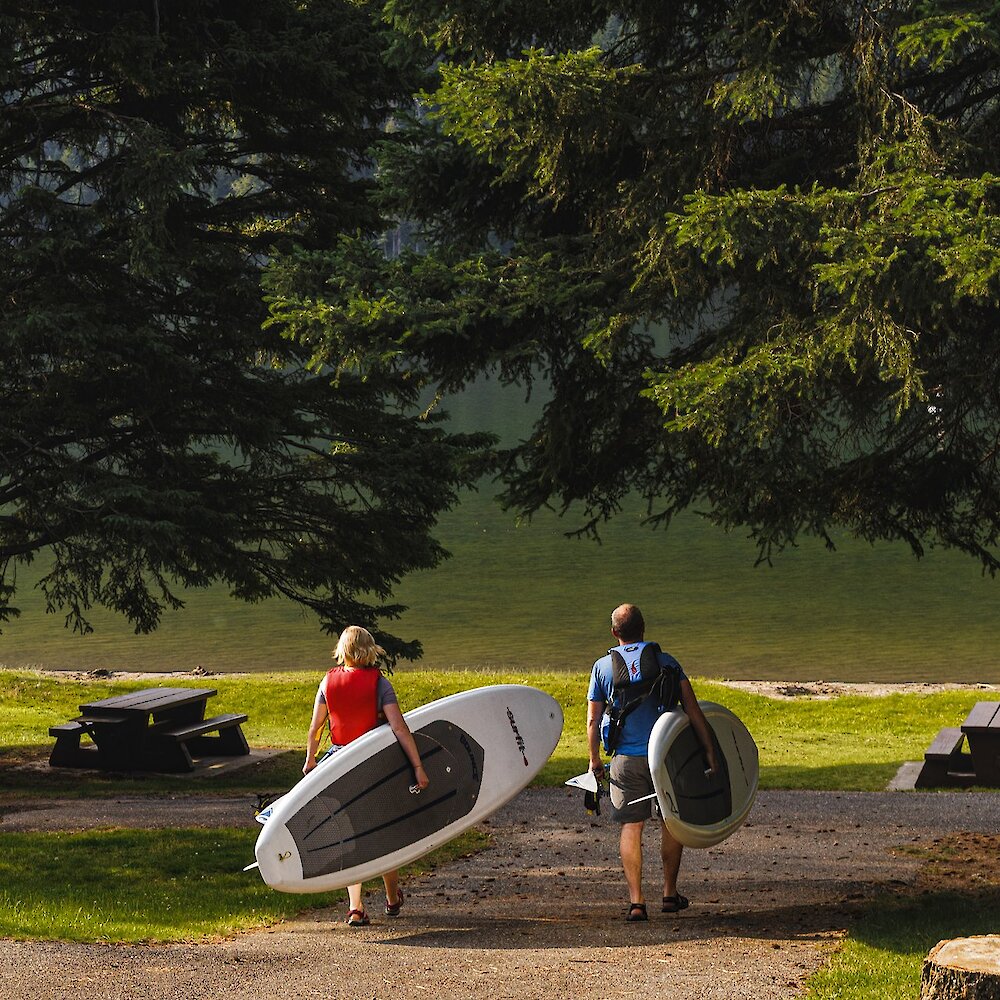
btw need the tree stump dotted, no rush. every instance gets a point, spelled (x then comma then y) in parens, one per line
(962, 969)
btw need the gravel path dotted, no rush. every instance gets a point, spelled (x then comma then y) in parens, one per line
(539, 914)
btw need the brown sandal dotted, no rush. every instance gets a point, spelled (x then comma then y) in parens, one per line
(357, 918)
(392, 909)
(636, 912)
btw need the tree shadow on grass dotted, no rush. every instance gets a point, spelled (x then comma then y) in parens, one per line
(25, 772)
(837, 777)
(956, 893)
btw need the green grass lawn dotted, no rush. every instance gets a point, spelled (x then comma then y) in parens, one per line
(884, 951)
(138, 885)
(143, 885)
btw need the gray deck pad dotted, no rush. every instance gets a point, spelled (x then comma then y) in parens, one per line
(701, 799)
(370, 812)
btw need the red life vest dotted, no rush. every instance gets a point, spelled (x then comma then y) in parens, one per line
(352, 702)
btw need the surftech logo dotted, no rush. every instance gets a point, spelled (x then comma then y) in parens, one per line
(517, 736)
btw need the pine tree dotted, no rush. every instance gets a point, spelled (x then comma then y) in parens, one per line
(154, 432)
(753, 250)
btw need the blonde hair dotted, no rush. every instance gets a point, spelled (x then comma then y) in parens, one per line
(357, 648)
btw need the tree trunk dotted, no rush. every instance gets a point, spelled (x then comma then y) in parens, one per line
(962, 969)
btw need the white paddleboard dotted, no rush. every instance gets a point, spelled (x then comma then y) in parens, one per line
(701, 810)
(355, 817)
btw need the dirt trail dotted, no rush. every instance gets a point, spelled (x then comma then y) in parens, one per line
(539, 914)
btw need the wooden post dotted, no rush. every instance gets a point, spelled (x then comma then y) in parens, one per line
(962, 969)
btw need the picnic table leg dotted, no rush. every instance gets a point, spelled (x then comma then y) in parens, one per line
(166, 756)
(230, 742)
(67, 751)
(119, 743)
(986, 757)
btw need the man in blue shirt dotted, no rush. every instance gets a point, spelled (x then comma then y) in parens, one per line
(630, 777)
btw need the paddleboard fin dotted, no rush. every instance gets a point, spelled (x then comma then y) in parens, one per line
(587, 781)
(593, 791)
(251, 866)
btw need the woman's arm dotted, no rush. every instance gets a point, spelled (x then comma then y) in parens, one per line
(402, 733)
(315, 736)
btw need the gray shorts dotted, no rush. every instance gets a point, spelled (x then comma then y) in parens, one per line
(630, 779)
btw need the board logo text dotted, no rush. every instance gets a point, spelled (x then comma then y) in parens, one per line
(517, 736)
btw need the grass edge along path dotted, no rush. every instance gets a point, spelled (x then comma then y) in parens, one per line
(129, 886)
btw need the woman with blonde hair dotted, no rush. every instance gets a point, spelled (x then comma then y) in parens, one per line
(353, 698)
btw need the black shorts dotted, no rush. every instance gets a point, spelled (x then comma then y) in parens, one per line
(630, 780)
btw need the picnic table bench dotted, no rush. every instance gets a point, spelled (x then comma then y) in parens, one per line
(947, 765)
(154, 729)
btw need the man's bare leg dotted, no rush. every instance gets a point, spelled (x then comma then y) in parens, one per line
(631, 851)
(670, 851)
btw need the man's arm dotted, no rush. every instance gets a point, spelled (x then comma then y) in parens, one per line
(699, 723)
(595, 713)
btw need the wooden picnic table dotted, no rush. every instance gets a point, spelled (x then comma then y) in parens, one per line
(982, 730)
(153, 729)
(946, 765)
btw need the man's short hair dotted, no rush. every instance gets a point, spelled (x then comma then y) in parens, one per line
(627, 623)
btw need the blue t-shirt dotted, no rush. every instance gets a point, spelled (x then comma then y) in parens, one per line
(639, 723)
